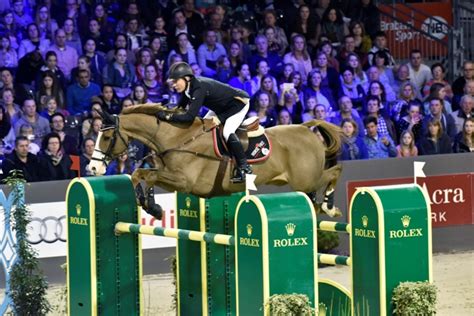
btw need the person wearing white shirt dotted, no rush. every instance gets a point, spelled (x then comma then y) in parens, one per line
(420, 73)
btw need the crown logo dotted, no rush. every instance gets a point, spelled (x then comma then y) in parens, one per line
(188, 202)
(78, 209)
(249, 230)
(365, 221)
(406, 221)
(290, 229)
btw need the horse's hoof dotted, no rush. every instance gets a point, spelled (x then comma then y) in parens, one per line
(331, 212)
(156, 211)
(140, 195)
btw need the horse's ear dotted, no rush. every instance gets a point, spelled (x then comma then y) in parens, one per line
(107, 118)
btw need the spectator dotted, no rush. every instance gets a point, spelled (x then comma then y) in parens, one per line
(95, 129)
(136, 37)
(402, 76)
(120, 42)
(354, 63)
(223, 69)
(180, 26)
(193, 17)
(86, 155)
(333, 26)
(66, 55)
(438, 73)
(153, 88)
(262, 70)
(22, 18)
(72, 37)
(438, 90)
(320, 113)
(139, 95)
(284, 117)
(51, 107)
(273, 45)
(380, 44)
(374, 76)
(235, 54)
(184, 49)
(468, 90)
(299, 56)
(27, 131)
(197, 71)
(435, 140)
(385, 125)
(464, 140)
(274, 61)
(51, 65)
(144, 58)
(120, 165)
(420, 73)
(106, 22)
(20, 159)
(30, 116)
(33, 42)
(378, 145)
(407, 147)
(119, 73)
(465, 112)
(8, 55)
(327, 48)
(6, 133)
(436, 112)
(460, 82)
(270, 20)
(208, 52)
(76, 12)
(158, 31)
(96, 108)
(314, 88)
(53, 163)
(353, 145)
(9, 28)
(406, 96)
(367, 13)
(8, 103)
(382, 64)
(264, 110)
(49, 87)
(110, 100)
(288, 69)
(355, 92)
(346, 111)
(290, 102)
(79, 94)
(97, 60)
(242, 80)
(268, 84)
(362, 41)
(68, 142)
(25, 76)
(309, 113)
(215, 23)
(307, 25)
(377, 89)
(236, 36)
(99, 37)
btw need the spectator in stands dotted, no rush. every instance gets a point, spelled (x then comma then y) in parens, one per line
(438, 73)
(27, 131)
(348, 46)
(120, 42)
(274, 62)
(262, 70)
(299, 56)
(180, 26)
(20, 159)
(197, 71)
(119, 73)
(377, 89)
(120, 165)
(407, 147)
(378, 145)
(406, 96)
(144, 58)
(208, 53)
(460, 82)
(242, 80)
(353, 145)
(466, 111)
(464, 140)
(136, 36)
(110, 101)
(68, 142)
(79, 94)
(268, 84)
(157, 51)
(75, 11)
(468, 90)
(100, 38)
(333, 26)
(354, 63)
(153, 88)
(309, 107)
(436, 113)
(284, 117)
(86, 155)
(8, 103)
(8, 55)
(106, 21)
(369, 14)
(438, 90)
(194, 19)
(22, 18)
(346, 111)
(307, 25)
(314, 88)
(288, 69)
(9, 28)
(401, 77)
(33, 42)
(385, 125)
(25, 75)
(355, 92)
(273, 44)
(236, 35)
(264, 110)
(30, 116)
(54, 164)
(270, 20)
(51, 107)
(223, 69)
(327, 48)
(235, 54)
(139, 95)
(6, 79)
(435, 140)
(380, 44)
(67, 56)
(420, 73)
(382, 64)
(362, 41)
(94, 129)
(96, 108)
(49, 87)
(373, 75)
(51, 65)
(183, 49)
(72, 37)
(290, 102)
(330, 77)
(215, 23)
(320, 113)
(6, 133)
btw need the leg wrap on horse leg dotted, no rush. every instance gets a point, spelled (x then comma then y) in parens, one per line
(328, 203)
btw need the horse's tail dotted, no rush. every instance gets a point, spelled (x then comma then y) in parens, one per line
(331, 134)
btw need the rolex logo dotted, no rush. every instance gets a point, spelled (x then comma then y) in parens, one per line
(78, 209)
(249, 230)
(290, 229)
(365, 221)
(188, 202)
(406, 221)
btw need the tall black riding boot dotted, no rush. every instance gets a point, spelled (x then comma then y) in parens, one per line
(242, 168)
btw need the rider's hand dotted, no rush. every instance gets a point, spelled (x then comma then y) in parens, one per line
(163, 116)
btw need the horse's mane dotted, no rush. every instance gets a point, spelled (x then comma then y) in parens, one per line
(147, 108)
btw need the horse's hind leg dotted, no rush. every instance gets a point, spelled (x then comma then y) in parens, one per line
(146, 199)
(330, 176)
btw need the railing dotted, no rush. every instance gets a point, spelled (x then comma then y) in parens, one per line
(464, 22)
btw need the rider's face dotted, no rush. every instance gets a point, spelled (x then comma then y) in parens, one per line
(178, 85)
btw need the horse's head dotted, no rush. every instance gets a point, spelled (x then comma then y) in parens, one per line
(111, 142)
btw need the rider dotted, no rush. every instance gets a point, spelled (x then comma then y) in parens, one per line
(229, 104)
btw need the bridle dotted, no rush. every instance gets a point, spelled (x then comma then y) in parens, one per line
(107, 154)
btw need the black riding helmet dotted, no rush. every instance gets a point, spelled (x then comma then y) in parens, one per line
(180, 70)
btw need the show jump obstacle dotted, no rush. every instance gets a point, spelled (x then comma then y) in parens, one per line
(233, 254)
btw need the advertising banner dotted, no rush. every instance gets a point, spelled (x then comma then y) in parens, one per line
(451, 196)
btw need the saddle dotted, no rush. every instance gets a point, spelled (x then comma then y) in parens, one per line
(256, 144)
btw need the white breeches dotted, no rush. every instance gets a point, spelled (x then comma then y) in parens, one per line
(233, 122)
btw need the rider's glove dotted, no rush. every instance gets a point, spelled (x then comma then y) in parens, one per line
(164, 116)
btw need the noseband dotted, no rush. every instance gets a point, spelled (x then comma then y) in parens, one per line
(107, 155)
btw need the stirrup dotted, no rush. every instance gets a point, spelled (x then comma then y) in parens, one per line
(239, 174)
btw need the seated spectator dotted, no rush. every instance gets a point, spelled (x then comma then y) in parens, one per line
(274, 62)
(27, 131)
(407, 147)
(368, 13)
(299, 56)
(94, 129)
(270, 20)
(97, 60)
(362, 41)
(86, 155)
(353, 145)
(329, 75)
(262, 71)
(284, 77)
(136, 36)
(320, 113)
(380, 44)
(438, 90)
(435, 141)
(197, 71)
(31, 117)
(144, 58)
(7, 134)
(373, 74)
(420, 73)
(223, 69)
(268, 84)
(208, 53)
(465, 112)
(8, 55)
(46, 25)
(242, 80)
(20, 159)
(310, 105)
(72, 37)
(158, 55)
(236, 36)
(8, 104)
(468, 90)
(66, 55)
(49, 87)
(384, 123)
(464, 140)
(264, 110)
(139, 95)
(378, 145)
(121, 165)
(377, 89)
(120, 41)
(110, 100)
(68, 142)
(438, 73)
(289, 101)
(180, 26)
(33, 42)
(184, 49)
(9, 28)
(119, 73)
(353, 62)
(284, 117)
(54, 164)
(51, 107)
(99, 37)
(158, 31)
(327, 48)
(411, 122)
(333, 26)
(385, 73)
(406, 96)
(51, 65)
(351, 89)
(346, 111)
(436, 112)
(314, 88)
(273, 44)
(25, 76)
(79, 95)
(235, 54)
(460, 82)
(307, 25)
(153, 88)
(402, 76)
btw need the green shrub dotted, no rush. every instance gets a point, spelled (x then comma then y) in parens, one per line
(327, 241)
(414, 298)
(289, 305)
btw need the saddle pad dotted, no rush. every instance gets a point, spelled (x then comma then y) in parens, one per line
(258, 150)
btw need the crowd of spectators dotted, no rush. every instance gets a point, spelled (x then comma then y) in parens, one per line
(63, 61)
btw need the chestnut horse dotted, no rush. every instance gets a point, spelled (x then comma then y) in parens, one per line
(187, 162)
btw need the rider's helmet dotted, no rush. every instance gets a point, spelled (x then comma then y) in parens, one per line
(180, 70)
